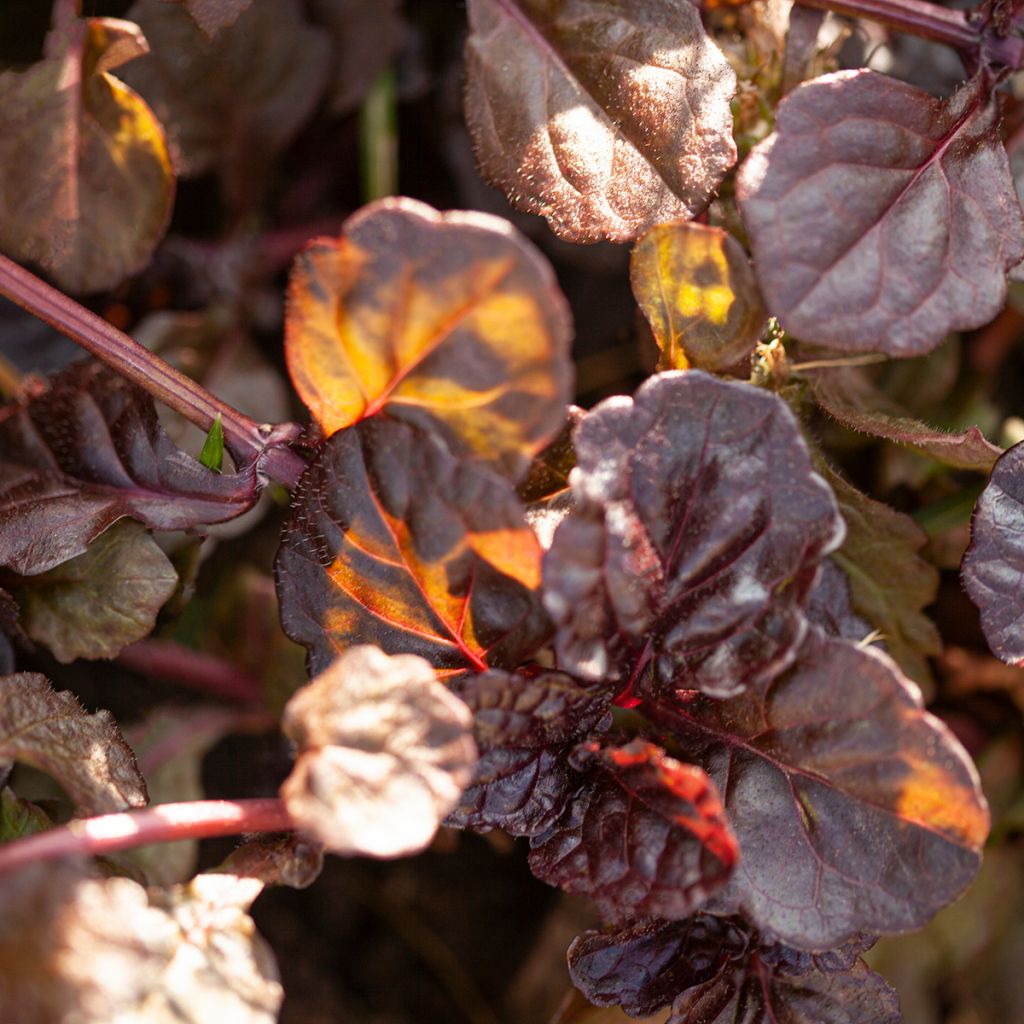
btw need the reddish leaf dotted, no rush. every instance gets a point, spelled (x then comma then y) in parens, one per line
(546, 489)
(880, 217)
(525, 728)
(384, 750)
(88, 452)
(84, 753)
(993, 568)
(830, 607)
(646, 836)
(855, 810)
(213, 15)
(696, 539)
(850, 397)
(448, 321)
(698, 291)
(87, 188)
(605, 116)
(393, 541)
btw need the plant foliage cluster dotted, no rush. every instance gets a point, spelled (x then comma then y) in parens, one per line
(665, 641)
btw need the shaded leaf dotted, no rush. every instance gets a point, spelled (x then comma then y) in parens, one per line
(384, 750)
(212, 453)
(848, 396)
(646, 836)
(84, 753)
(605, 116)
(525, 728)
(393, 541)
(99, 602)
(87, 185)
(259, 80)
(880, 217)
(88, 452)
(890, 583)
(448, 321)
(189, 954)
(546, 487)
(993, 567)
(698, 291)
(830, 605)
(213, 15)
(696, 538)
(367, 34)
(20, 818)
(855, 809)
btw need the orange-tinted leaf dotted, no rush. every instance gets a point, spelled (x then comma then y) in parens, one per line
(385, 749)
(697, 289)
(605, 116)
(449, 321)
(86, 188)
(393, 541)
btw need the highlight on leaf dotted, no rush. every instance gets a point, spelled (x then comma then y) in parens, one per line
(451, 322)
(698, 291)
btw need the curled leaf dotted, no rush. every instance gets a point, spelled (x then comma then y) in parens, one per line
(384, 752)
(87, 186)
(393, 541)
(993, 566)
(84, 753)
(605, 116)
(645, 836)
(880, 217)
(698, 291)
(855, 810)
(696, 538)
(448, 321)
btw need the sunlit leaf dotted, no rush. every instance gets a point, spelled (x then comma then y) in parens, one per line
(449, 321)
(392, 541)
(605, 116)
(293, 860)
(88, 452)
(99, 602)
(697, 535)
(84, 752)
(855, 810)
(993, 568)
(384, 750)
(646, 836)
(87, 187)
(696, 287)
(882, 218)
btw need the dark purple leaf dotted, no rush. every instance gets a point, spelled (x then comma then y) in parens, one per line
(882, 218)
(393, 541)
(646, 836)
(697, 535)
(605, 116)
(525, 728)
(993, 568)
(855, 809)
(87, 452)
(830, 608)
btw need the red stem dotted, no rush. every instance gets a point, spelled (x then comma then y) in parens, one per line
(915, 17)
(198, 819)
(248, 441)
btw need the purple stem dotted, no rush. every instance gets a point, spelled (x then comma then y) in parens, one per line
(915, 17)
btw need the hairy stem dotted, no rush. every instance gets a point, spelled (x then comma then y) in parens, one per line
(199, 819)
(248, 441)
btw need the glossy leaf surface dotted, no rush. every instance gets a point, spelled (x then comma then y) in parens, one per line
(84, 752)
(697, 534)
(392, 541)
(993, 568)
(88, 452)
(384, 750)
(646, 836)
(87, 186)
(99, 602)
(890, 583)
(849, 397)
(525, 728)
(698, 291)
(855, 809)
(880, 217)
(605, 116)
(448, 321)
